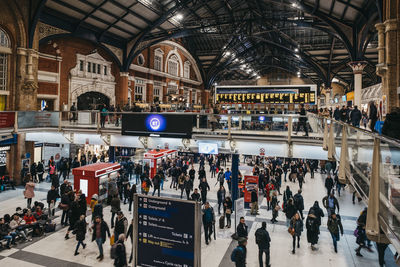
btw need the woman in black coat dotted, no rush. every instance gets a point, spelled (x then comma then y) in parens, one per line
(74, 214)
(312, 230)
(131, 196)
(80, 232)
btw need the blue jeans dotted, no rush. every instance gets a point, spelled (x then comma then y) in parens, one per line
(335, 239)
(77, 246)
(10, 238)
(99, 242)
(162, 184)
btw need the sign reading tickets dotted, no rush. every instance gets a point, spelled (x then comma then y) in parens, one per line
(33, 119)
(168, 232)
(250, 183)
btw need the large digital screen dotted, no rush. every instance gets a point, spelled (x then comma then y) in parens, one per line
(158, 125)
(208, 148)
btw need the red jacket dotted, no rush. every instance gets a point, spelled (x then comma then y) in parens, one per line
(29, 220)
(268, 188)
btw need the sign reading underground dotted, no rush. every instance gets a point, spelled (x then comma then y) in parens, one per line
(166, 232)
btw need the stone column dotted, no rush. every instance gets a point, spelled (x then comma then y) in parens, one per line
(357, 67)
(27, 65)
(122, 95)
(328, 93)
(392, 61)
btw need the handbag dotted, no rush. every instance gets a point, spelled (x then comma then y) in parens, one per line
(62, 206)
(355, 233)
(228, 211)
(291, 231)
(112, 240)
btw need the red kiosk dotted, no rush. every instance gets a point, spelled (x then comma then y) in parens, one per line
(250, 183)
(93, 179)
(155, 156)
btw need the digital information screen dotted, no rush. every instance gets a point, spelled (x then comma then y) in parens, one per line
(266, 95)
(167, 232)
(162, 125)
(208, 148)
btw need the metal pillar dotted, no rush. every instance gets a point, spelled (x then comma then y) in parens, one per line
(235, 182)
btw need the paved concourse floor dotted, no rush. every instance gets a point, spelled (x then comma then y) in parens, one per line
(53, 250)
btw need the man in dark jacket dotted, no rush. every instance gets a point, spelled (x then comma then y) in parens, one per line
(336, 113)
(203, 189)
(330, 203)
(80, 232)
(254, 202)
(355, 117)
(334, 225)
(120, 253)
(263, 239)
(208, 221)
(100, 229)
(6, 233)
(196, 196)
(299, 203)
(329, 184)
(52, 196)
(302, 120)
(373, 115)
(240, 253)
(221, 197)
(156, 184)
(121, 224)
(242, 228)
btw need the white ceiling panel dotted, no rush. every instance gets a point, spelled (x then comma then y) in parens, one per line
(127, 27)
(96, 23)
(136, 21)
(119, 33)
(144, 12)
(65, 10)
(104, 16)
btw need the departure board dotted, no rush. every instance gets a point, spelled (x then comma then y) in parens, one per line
(266, 95)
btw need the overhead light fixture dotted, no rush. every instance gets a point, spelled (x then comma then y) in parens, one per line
(298, 56)
(298, 73)
(179, 16)
(296, 50)
(258, 77)
(236, 60)
(294, 5)
(215, 84)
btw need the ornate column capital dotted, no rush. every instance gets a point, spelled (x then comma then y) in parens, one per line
(391, 25)
(380, 27)
(124, 74)
(357, 66)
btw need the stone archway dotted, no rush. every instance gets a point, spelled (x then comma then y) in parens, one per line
(92, 101)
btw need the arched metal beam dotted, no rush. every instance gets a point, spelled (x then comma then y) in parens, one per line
(34, 21)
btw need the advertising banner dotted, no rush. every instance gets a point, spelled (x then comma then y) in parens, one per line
(250, 183)
(7, 119)
(31, 119)
(167, 232)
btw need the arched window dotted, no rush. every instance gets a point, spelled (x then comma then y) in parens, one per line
(186, 70)
(140, 60)
(4, 51)
(158, 59)
(173, 65)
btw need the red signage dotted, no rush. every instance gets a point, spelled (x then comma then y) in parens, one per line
(262, 151)
(7, 119)
(250, 183)
(166, 146)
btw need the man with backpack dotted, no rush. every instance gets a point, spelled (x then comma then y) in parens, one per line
(299, 203)
(238, 255)
(118, 252)
(262, 240)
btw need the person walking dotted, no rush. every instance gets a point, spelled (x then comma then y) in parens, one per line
(131, 196)
(103, 115)
(80, 232)
(312, 230)
(221, 197)
(228, 178)
(263, 241)
(29, 192)
(100, 229)
(121, 224)
(52, 196)
(298, 201)
(208, 221)
(329, 183)
(115, 207)
(355, 117)
(239, 254)
(228, 211)
(120, 252)
(289, 210)
(242, 228)
(318, 212)
(373, 115)
(334, 225)
(188, 186)
(203, 189)
(254, 202)
(330, 203)
(302, 120)
(221, 178)
(296, 227)
(156, 184)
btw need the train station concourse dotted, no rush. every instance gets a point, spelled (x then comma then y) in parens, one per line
(189, 133)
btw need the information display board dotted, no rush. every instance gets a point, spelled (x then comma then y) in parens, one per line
(289, 94)
(167, 231)
(250, 182)
(160, 125)
(31, 119)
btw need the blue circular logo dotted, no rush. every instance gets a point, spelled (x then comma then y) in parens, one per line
(155, 124)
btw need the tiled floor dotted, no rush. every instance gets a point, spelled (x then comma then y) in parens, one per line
(53, 250)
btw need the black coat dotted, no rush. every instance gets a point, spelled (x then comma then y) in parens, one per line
(120, 259)
(391, 126)
(264, 238)
(104, 230)
(80, 230)
(254, 196)
(52, 195)
(312, 229)
(242, 230)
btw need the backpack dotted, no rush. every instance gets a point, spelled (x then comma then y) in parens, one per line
(235, 252)
(259, 236)
(113, 251)
(297, 202)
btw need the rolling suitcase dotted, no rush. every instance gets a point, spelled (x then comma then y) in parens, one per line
(222, 222)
